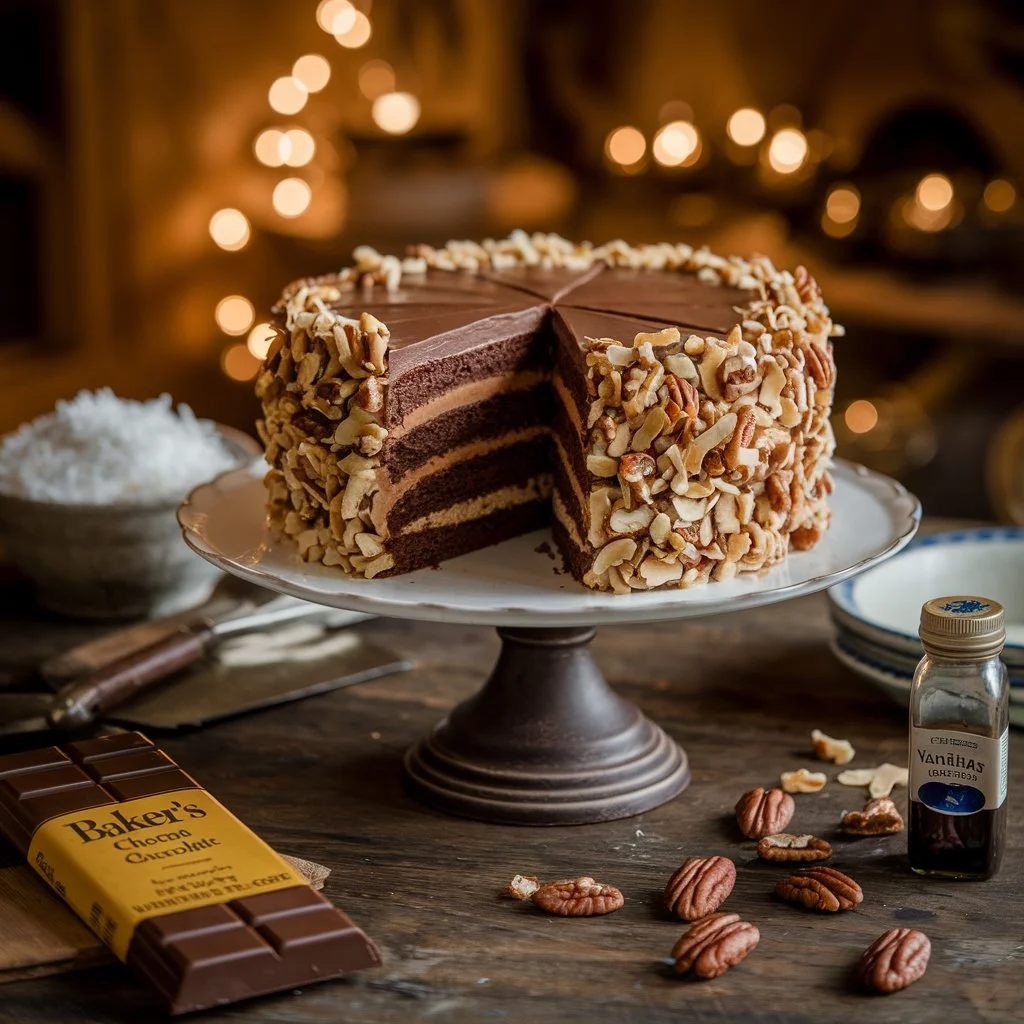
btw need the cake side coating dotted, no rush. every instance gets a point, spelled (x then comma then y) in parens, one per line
(695, 457)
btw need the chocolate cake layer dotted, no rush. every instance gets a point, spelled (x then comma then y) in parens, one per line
(432, 546)
(509, 466)
(677, 299)
(446, 432)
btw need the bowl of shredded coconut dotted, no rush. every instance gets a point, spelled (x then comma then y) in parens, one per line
(88, 495)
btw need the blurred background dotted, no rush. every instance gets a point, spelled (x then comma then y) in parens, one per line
(167, 165)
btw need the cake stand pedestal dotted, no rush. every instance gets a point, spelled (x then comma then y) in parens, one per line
(546, 741)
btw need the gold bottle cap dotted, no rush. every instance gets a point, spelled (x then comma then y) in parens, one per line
(963, 628)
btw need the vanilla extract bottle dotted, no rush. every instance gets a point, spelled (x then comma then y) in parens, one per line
(959, 719)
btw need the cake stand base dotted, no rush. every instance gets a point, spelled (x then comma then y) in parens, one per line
(546, 741)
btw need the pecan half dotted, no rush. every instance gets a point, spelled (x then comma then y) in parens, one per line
(578, 897)
(805, 538)
(634, 471)
(896, 959)
(700, 887)
(787, 847)
(763, 812)
(820, 888)
(522, 887)
(803, 781)
(714, 944)
(880, 817)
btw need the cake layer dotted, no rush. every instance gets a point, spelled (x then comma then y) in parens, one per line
(508, 465)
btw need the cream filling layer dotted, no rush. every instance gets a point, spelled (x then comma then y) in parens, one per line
(469, 394)
(535, 489)
(569, 403)
(414, 477)
(569, 524)
(563, 458)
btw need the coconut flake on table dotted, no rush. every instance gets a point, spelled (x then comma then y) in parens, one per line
(98, 449)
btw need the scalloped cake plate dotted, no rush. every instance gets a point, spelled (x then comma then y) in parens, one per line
(883, 605)
(518, 583)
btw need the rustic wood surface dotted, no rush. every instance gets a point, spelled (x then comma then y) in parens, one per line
(321, 779)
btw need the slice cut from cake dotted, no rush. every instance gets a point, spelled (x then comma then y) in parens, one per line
(667, 409)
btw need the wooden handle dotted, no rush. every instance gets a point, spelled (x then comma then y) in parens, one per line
(82, 702)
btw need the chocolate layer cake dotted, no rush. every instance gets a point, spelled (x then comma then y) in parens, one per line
(667, 410)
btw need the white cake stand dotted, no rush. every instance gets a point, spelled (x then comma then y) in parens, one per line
(546, 740)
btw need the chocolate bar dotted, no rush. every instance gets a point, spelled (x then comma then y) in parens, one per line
(197, 904)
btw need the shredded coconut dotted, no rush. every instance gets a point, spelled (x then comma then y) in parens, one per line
(98, 449)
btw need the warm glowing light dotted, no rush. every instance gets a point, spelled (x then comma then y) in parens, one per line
(843, 204)
(934, 192)
(291, 198)
(923, 219)
(288, 95)
(677, 143)
(834, 229)
(259, 340)
(229, 229)
(861, 416)
(299, 147)
(239, 363)
(746, 127)
(396, 112)
(357, 34)
(234, 314)
(1000, 195)
(787, 151)
(335, 15)
(625, 145)
(313, 71)
(272, 147)
(376, 77)
(675, 110)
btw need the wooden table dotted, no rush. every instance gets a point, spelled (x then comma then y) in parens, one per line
(321, 779)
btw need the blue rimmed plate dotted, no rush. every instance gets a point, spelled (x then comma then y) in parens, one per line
(883, 605)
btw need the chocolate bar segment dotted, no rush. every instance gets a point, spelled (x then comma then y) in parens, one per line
(204, 955)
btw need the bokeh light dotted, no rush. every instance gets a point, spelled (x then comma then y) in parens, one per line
(271, 147)
(861, 416)
(934, 192)
(677, 144)
(843, 204)
(299, 147)
(625, 145)
(229, 228)
(357, 34)
(335, 15)
(376, 77)
(239, 363)
(313, 71)
(259, 340)
(746, 127)
(291, 198)
(1000, 195)
(396, 112)
(288, 95)
(787, 151)
(234, 314)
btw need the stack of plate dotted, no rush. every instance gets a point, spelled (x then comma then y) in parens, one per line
(876, 614)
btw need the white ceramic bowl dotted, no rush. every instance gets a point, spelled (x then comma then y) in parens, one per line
(883, 605)
(111, 561)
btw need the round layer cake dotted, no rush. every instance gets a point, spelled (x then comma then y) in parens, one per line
(665, 409)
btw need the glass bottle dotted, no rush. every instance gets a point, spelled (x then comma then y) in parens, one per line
(959, 719)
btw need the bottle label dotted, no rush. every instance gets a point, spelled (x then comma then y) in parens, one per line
(956, 772)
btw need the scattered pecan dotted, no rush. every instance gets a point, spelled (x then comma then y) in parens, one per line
(522, 887)
(806, 287)
(805, 538)
(803, 781)
(635, 470)
(742, 437)
(828, 749)
(763, 812)
(777, 488)
(787, 847)
(577, 897)
(700, 887)
(880, 817)
(820, 888)
(714, 944)
(896, 959)
(819, 365)
(713, 464)
(691, 398)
